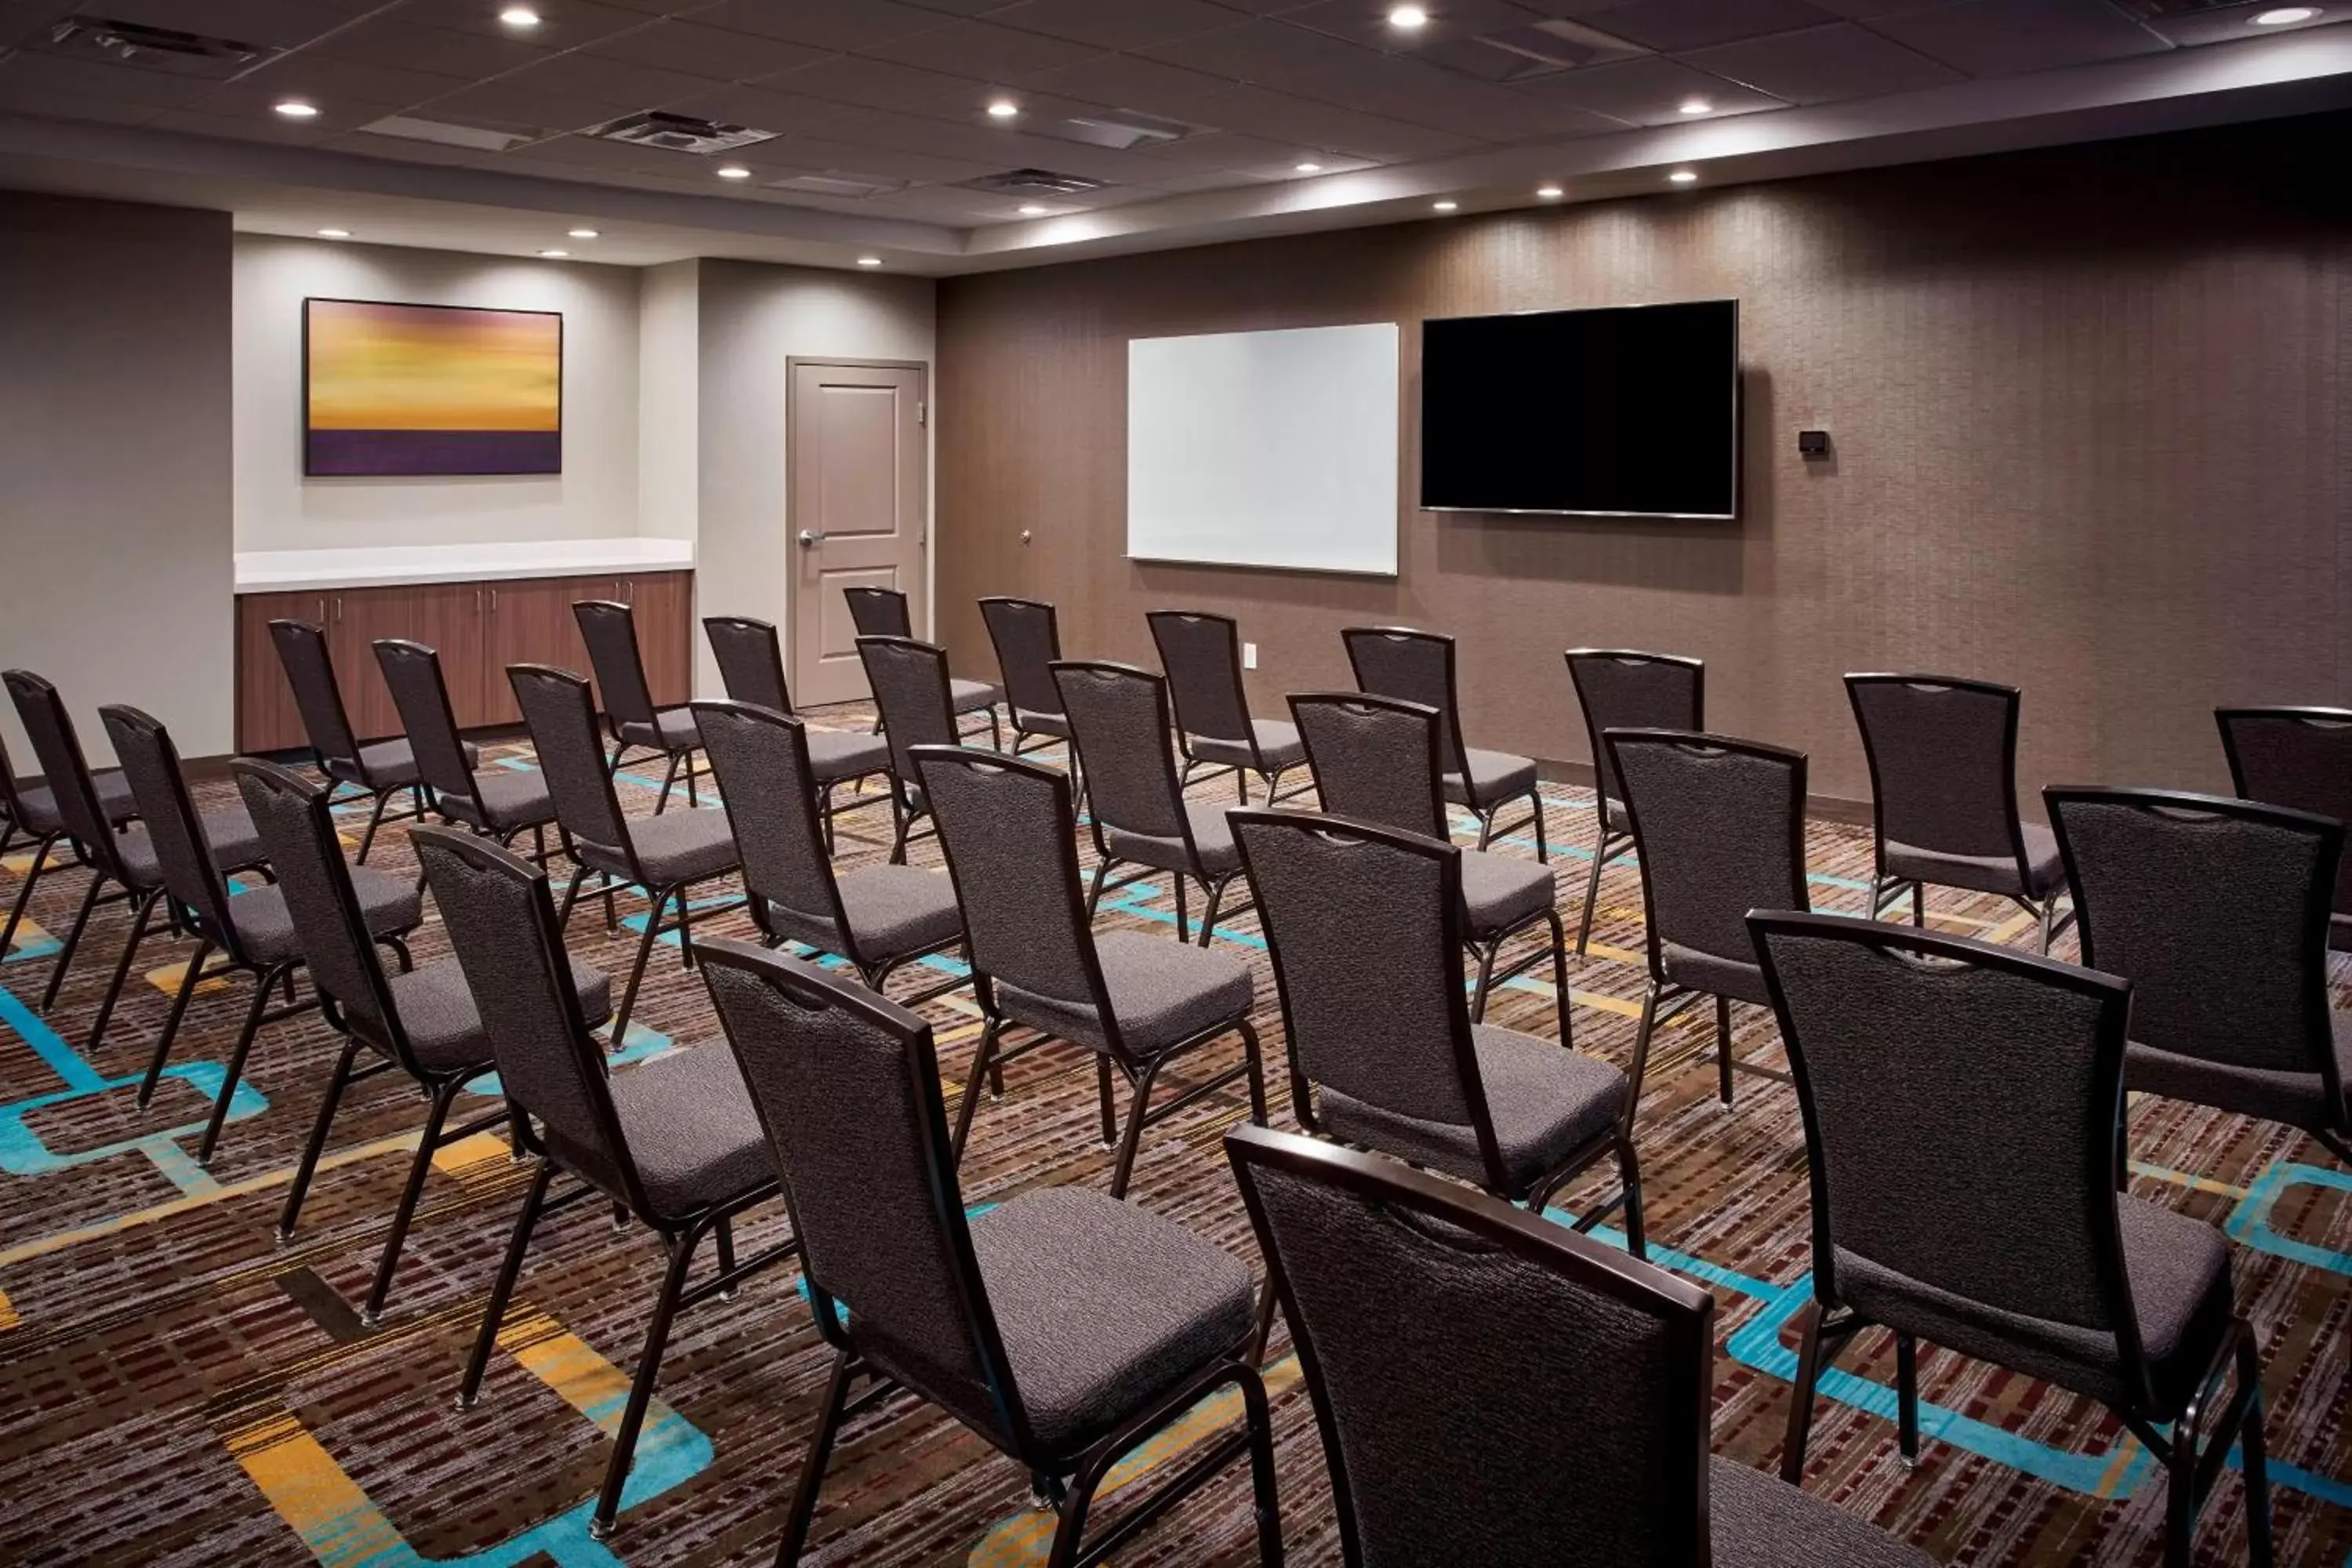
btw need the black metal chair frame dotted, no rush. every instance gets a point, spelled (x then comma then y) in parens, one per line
(866, 613)
(991, 608)
(630, 688)
(908, 803)
(1138, 1069)
(1661, 999)
(1213, 888)
(1607, 843)
(1271, 777)
(1450, 718)
(780, 699)
(680, 1236)
(1067, 1479)
(1883, 885)
(2339, 929)
(327, 752)
(389, 650)
(1826, 1327)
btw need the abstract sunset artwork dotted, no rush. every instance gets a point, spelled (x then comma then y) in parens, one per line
(430, 389)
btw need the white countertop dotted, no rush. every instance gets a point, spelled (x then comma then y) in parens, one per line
(389, 565)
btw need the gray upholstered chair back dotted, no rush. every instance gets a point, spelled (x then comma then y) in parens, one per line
(1961, 1105)
(2298, 757)
(1620, 688)
(751, 660)
(561, 715)
(761, 760)
(1943, 761)
(1202, 655)
(1412, 667)
(298, 831)
(610, 630)
(1363, 927)
(1376, 759)
(1006, 827)
(880, 612)
(1413, 1302)
(412, 673)
(1118, 719)
(2216, 910)
(502, 927)
(847, 1087)
(58, 748)
(1027, 642)
(311, 671)
(909, 682)
(191, 875)
(1719, 825)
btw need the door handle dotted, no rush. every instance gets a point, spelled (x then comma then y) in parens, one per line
(810, 538)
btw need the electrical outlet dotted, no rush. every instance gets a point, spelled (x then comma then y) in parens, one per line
(1249, 655)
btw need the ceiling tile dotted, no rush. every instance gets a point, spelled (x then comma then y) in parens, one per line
(881, 163)
(1366, 21)
(248, 127)
(1676, 24)
(1649, 91)
(710, 52)
(2008, 37)
(823, 23)
(393, 40)
(1116, 24)
(1823, 65)
(562, 24)
(281, 24)
(330, 80)
(2235, 22)
(884, 84)
(985, 50)
(1148, 86)
(1271, 52)
(99, 82)
(1419, 94)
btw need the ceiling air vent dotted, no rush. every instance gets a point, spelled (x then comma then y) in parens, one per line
(1518, 54)
(97, 39)
(1033, 182)
(479, 138)
(1121, 128)
(680, 133)
(855, 187)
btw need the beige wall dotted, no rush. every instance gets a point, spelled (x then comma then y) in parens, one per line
(2090, 421)
(669, 350)
(114, 463)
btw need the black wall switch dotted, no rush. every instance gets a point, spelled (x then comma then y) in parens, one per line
(1813, 443)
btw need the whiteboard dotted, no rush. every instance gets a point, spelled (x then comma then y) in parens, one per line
(1264, 448)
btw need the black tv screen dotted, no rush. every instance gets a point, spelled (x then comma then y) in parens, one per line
(1627, 412)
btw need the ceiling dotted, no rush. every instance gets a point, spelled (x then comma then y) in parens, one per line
(1190, 118)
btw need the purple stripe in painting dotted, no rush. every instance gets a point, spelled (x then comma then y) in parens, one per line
(383, 452)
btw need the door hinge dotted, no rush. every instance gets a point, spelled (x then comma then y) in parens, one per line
(922, 414)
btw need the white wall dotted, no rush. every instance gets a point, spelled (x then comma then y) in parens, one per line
(669, 398)
(115, 532)
(595, 496)
(753, 318)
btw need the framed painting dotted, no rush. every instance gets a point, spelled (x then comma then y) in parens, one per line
(405, 390)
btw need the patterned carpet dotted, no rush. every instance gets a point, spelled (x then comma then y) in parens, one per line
(174, 1387)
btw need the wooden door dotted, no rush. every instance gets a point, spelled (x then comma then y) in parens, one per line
(661, 603)
(266, 719)
(529, 621)
(858, 488)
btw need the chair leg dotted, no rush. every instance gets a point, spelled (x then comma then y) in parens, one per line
(73, 940)
(375, 820)
(571, 898)
(724, 1234)
(638, 970)
(1123, 1167)
(1800, 1395)
(2180, 1500)
(901, 819)
(1262, 1479)
(171, 1022)
(1723, 1049)
(1485, 827)
(1254, 1059)
(1919, 903)
(1216, 891)
(2049, 909)
(1183, 931)
(1485, 952)
(41, 848)
(236, 1069)
(693, 794)
(971, 1103)
(502, 1288)
(1095, 892)
(1560, 976)
(685, 930)
(143, 905)
(1109, 1104)
(1592, 889)
(1543, 847)
(2253, 1459)
(308, 1164)
(670, 777)
(405, 1209)
(828, 1426)
(1906, 1397)
(641, 1387)
(1628, 1172)
(1241, 784)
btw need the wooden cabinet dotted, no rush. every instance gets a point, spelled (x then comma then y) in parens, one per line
(478, 629)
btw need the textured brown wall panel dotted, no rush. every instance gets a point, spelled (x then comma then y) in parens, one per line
(2089, 426)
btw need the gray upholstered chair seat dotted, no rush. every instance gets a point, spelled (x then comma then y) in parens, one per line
(1161, 992)
(675, 847)
(2179, 1271)
(971, 696)
(385, 764)
(1547, 1101)
(1499, 891)
(1494, 775)
(893, 911)
(445, 1028)
(389, 905)
(40, 803)
(235, 846)
(1985, 873)
(688, 1123)
(510, 799)
(834, 756)
(672, 730)
(1103, 1306)
(1757, 1521)
(2296, 1099)
(1212, 838)
(1717, 977)
(1278, 743)
(1030, 721)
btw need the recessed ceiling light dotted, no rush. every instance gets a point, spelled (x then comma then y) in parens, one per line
(1031, 209)
(1003, 109)
(582, 233)
(1696, 106)
(1445, 206)
(1683, 176)
(733, 171)
(869, 261)
(1408, 17)
(555, 255)
(2286, 15)
(1549, 193)
(334, 233)
(296, 108)
(1308, 168)
(520, 17)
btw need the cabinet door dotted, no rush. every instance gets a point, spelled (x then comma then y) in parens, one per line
(445, 616)
(529, 621)
(663, 606)
(266, 719)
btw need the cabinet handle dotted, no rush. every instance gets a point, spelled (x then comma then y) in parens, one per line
(630, 598)
(477, 600)
(494, 601)
(339, 607)
(322, 609)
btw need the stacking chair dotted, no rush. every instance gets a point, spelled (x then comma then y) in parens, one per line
(1417, 667)
(1364, 925)
(882, 613)
(499, 803)
(1202, 655)
(124, 861)
(422, 1023)
(663, 857)
(877, 918)
(32, 810)
(913, 698)
(1450, 1342)
(1138, 1002)
(2298, 757)
(1378, 759)
(1027, 643)
(1910, 1049)
(610, 630)
(1619, 688)
(254, 932)
(1728, 837)
(673, 1140)
(1943, 792)
(1065, 1330)
(381, 769)
(2218, 912)
(1139, 815)
(751, 663)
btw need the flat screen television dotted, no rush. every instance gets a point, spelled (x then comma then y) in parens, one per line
(1633, 411)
